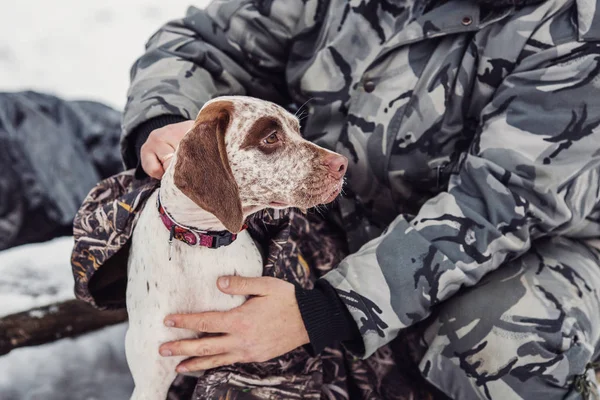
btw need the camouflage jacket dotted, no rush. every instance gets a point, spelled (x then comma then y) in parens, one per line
(472, 127)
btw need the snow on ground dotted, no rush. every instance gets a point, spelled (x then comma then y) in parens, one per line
(84, 50)
(91, 367)
(35, 275)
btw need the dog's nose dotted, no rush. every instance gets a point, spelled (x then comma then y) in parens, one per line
(336, 164)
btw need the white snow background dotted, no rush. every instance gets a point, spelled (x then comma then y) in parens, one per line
(78, 50)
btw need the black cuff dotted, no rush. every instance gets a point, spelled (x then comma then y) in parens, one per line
(326, 318)
(140, 134)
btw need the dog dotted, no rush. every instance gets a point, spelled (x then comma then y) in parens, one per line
(241, 155)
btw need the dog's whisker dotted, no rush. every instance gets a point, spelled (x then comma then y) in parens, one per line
(303, 104)
(319, 211)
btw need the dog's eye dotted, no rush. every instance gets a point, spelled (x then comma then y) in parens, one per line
(272, 138)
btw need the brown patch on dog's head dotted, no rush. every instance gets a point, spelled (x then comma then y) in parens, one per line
(261, 129)
(202, 171)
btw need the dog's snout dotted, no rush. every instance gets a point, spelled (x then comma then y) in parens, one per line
(336, 165)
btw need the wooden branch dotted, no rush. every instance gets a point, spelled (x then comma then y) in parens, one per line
(56, 321)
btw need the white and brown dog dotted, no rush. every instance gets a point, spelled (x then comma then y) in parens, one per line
(242, 155)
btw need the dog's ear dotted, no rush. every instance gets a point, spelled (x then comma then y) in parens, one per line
(202, 171)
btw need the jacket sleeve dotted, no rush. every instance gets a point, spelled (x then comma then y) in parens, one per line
(236, 47)
(532, 170)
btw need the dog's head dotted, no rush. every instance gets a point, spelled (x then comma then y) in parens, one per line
(244, 153)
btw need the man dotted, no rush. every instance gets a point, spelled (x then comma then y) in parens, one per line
(472, 130)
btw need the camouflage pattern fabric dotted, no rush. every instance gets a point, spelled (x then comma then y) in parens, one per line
(291, 242)
(542, 323)
(304, 250)
(527, 330)
(101, 230)
(472, 130)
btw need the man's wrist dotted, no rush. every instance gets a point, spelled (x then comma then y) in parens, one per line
(326, 318)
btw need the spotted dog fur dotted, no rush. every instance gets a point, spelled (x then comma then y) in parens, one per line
(241, 156)
(298, 177)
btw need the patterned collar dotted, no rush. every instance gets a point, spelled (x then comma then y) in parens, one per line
(193, 236)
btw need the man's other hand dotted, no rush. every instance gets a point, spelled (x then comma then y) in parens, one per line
(157, 151)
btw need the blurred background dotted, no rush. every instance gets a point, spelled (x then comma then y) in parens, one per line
(76, 50)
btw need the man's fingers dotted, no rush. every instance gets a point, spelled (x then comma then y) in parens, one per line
(209, 322)
(152, 165)
(247, 286)
(204, 363)
(166, 159)
(203, 347)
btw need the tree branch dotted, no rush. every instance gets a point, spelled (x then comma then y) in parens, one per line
(56, 321)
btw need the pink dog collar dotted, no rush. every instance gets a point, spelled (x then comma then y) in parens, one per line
(193, 236)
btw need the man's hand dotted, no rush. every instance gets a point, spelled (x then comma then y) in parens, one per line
(264, 327)
(156, 153)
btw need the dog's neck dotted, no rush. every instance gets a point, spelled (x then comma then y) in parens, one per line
(184, 211)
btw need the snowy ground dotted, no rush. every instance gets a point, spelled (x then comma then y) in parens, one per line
(75, 49)
(35, 275)
(90, 367)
